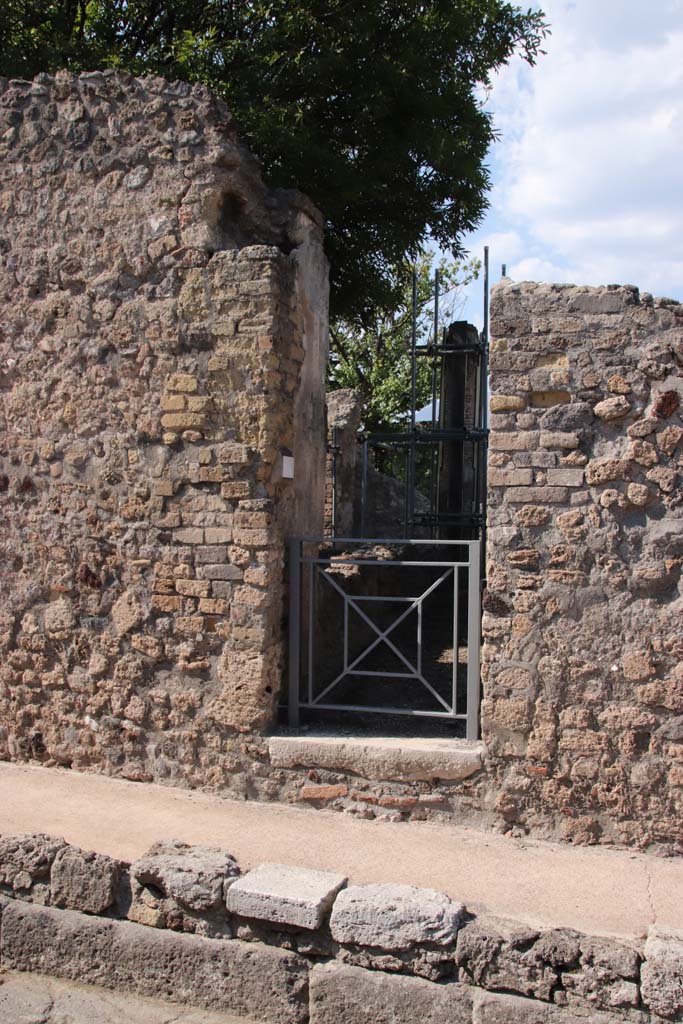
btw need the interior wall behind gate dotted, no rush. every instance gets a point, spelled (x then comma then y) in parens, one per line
(583, 655)
(163, 337)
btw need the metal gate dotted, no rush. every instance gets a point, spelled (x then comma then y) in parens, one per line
(388, 627)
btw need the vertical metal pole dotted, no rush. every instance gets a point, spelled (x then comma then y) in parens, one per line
(434, 493)
(295, 547)
(473, 641)
(436, 345)
(406, 503)
(413, 356)
(413, 409)
(312, 570)
(364, 488)
(335, 450)
(456, 637)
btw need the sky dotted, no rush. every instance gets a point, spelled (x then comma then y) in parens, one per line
(588, 172)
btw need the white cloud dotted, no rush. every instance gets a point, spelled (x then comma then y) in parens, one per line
(589, 173)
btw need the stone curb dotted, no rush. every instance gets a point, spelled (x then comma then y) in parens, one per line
(234, 976)
(183, 925)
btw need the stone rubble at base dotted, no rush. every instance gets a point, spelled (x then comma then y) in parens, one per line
(389, 954)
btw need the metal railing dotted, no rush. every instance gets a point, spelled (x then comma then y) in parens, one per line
(315, 627)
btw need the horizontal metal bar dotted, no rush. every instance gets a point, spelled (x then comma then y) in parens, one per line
(339, 560)
(383, 711)
(472, 346)
(388, 675)
(362, 597)
(367, 541)
(430, 436)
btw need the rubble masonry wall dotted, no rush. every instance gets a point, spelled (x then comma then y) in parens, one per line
(163, 337)
(583, 621)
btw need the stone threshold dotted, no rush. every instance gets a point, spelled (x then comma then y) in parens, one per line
(380, 758)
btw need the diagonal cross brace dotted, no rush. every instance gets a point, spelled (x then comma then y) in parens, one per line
(383, 636)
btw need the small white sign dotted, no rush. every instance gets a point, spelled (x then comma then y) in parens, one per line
(287, 467)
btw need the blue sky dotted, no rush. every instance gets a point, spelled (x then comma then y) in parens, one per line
(588, 173)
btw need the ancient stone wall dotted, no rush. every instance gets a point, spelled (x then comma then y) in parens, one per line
(162, 346)
(294, 945)
(344, 409)
(583, 627)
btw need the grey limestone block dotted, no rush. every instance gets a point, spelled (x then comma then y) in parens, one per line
(84, 881)
(662, 973)
(351, 995)
(395, 917)
(285, 895)
(194, 876)
(498, 1008)
(242, 978)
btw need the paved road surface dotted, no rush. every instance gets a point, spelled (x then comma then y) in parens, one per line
(34, 999)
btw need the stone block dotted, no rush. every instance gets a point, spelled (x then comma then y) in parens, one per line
(232, 976)
(331, 792)
(194, 876)
(285, 895)
(172, 403)
(183, 382)
(524, 495)
(497, 1008)
(213, 606)
(400, 760)
(600, 471)
(220, 571)
(246, 538)
(193, 588)
(395, 917)
(510, 477)
(608, 976)
(504, 955)
(25, 865)
(182, 420)
(189, 535)
(210, 554)
(507, 403)
(341, 994)
(614, 408)
(234, 489)
(565, 477)
(514, 441)
(218, 534)
(166, 603)
(662, 973)
(233, 454)
(559, 439)
(189, 625)
(84, 881)
(549, 399)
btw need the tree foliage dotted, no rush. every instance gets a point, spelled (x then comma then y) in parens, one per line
(375, 358)
(372, 108)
